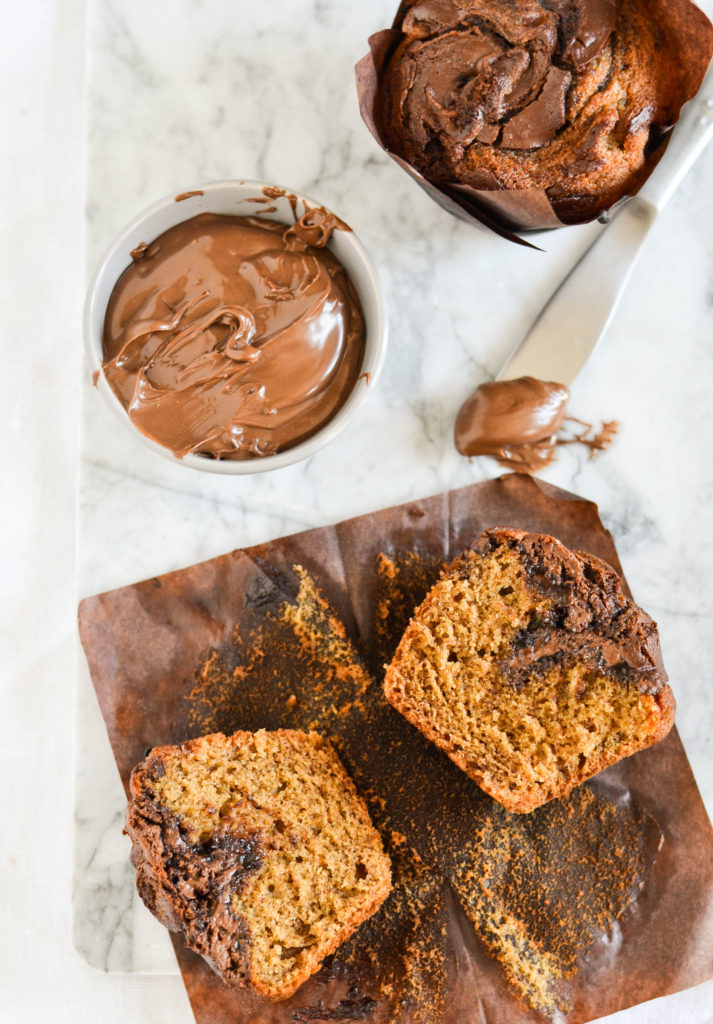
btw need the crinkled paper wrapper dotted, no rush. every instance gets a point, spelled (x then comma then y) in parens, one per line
(509, 211)
(206, 647)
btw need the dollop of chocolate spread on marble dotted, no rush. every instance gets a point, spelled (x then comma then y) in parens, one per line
(234, 337)
(591, 620)
(188, 885)
(515, 421)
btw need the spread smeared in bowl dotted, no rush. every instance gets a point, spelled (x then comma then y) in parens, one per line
(234, 337)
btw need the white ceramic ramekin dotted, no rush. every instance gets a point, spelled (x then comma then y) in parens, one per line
(234, 197)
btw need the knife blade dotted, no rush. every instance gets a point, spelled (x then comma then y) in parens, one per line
(579, 312)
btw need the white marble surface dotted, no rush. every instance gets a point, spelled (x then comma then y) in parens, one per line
(191, 91)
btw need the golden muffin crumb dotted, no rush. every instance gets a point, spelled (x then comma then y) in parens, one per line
(531, 668)
(257, 847)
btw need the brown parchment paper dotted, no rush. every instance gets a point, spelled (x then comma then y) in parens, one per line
(614, 887)
(689, 36)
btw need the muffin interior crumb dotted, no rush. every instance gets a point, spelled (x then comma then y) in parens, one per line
(524, 742)
(321, 862)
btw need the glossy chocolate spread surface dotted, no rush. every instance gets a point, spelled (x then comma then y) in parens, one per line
(515, 421)
(234, 337)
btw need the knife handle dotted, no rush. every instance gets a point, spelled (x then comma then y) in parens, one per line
(689, 137)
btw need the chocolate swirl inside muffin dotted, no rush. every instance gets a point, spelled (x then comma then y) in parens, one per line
(562, 95)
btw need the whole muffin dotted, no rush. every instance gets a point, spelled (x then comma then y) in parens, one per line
(567, 96)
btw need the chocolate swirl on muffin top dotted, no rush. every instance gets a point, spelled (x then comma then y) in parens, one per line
(553, 94)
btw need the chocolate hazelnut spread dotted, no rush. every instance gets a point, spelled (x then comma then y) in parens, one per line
(515, 421)
(234, 337)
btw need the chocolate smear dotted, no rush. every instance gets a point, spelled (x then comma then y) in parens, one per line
(517, 423)
(234, 337)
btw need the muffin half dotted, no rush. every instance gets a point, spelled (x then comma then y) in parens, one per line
(256, 847)
(531, 668)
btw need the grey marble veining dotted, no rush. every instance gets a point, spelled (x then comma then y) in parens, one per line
(191, 91)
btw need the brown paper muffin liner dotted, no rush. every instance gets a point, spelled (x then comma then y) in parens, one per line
(511, 211)
(584, 907)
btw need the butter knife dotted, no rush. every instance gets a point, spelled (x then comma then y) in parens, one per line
(579, 312)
